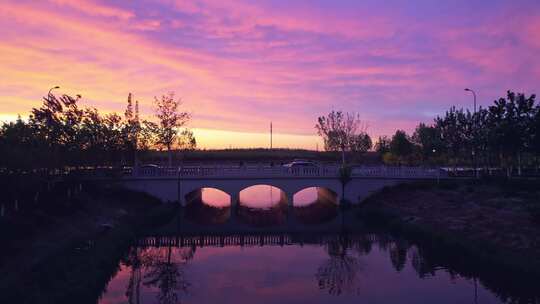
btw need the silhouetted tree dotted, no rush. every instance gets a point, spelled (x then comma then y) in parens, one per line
(428, 140)
(343, 132)
(511, 121)
(132, 129)
(114, 143)
(453, 129)
(21, 147)
(400, 145)
(383, 145)
(58, 120)
(534, 138)
(186, 140)
(481, 135)
(170, 119)
(361, 143)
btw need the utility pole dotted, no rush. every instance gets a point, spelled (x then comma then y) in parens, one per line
(270, 135)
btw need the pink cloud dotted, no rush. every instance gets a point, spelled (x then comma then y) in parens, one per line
(95, 9)
(239, 65)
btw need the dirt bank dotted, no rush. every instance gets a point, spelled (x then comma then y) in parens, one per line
(497, 221)
(62, 250)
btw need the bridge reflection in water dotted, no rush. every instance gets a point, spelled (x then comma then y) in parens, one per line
(290, 268)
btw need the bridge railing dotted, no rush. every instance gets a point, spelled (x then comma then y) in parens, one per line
(279, 171)
(156, 172)
(397, 172)
(258, 171)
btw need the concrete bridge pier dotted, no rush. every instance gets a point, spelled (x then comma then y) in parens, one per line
(290, 206)
(289, 198)
(235, 202)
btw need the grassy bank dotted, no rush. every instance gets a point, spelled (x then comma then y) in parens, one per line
(64, 251)
(493, 221)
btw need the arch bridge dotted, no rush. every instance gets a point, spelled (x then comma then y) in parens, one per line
(174, 184)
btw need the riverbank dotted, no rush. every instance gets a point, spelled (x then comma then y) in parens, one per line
(64, 251)
(495, 221)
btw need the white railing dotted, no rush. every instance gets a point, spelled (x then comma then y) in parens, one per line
(397, 172)
(278, 171)
(256, 171)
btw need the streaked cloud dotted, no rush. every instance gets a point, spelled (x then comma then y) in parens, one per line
(239, 65)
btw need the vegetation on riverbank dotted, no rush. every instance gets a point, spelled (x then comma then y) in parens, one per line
(496, 221)
(504, 134)
(62, 134)
(75, 244)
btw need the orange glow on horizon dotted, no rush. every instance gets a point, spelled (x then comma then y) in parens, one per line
(225, 139)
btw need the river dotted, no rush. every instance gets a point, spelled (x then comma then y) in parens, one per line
(366, 267)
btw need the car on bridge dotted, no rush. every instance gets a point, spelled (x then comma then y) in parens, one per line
(149, 166)
(301, 163)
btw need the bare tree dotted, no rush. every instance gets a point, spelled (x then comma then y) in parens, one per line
(170, 120)
(343, 132)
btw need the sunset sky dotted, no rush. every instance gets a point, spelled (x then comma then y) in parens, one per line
(240, 64)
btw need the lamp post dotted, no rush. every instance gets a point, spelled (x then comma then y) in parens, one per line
(53, 88)
(474, 96)
(474, 131)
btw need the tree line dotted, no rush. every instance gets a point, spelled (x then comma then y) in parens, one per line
(61, 134)
(503, 135)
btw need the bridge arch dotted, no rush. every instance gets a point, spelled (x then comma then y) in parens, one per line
(233, 186)
(211, 196)
(262, 196)
(313, 194)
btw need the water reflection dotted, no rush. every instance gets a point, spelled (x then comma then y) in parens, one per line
(339, 273)
(262, 197)
(157, 271)
(293, 268)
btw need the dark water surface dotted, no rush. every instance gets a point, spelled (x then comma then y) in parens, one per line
(331, 269)
(302, 268)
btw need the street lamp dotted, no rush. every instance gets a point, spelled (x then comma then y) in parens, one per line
(53, 88)
(474, 95)
(474, 127)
